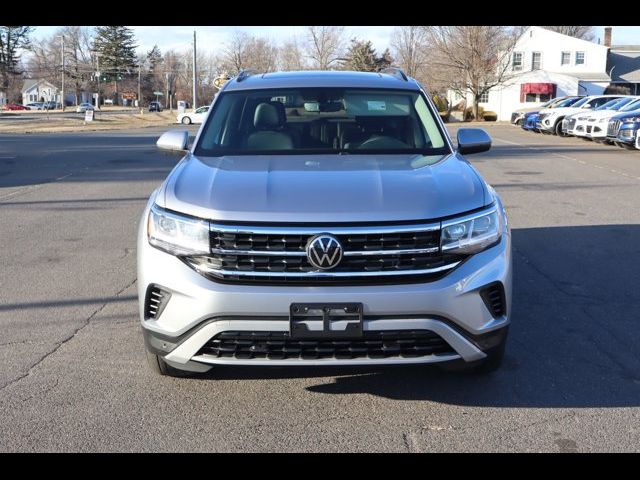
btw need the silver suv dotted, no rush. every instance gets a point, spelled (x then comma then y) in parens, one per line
(324, 218)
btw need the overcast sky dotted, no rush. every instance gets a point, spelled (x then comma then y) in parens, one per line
(211, 38)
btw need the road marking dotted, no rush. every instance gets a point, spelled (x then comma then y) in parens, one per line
(31, 188)
(582, 162)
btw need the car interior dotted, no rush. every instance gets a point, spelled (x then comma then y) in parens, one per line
(320, 120)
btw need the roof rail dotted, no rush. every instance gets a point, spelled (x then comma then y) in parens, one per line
(396, 72)
(246, 73)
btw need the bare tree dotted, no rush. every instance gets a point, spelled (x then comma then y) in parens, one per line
(246, 51)
(473, 58)
(409, 46)
(582, 32)
(324, 46)
(291, 56)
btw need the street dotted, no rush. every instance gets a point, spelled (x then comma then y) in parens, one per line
(74, 375)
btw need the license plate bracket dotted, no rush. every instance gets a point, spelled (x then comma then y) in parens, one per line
(327, 315)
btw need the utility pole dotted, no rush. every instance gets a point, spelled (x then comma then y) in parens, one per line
(195, 84)
(63, 67)
(168, 99)
(98, 74)
(139, 97)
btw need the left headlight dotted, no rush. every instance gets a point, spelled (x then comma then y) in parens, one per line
(177, 234)
(472, 233)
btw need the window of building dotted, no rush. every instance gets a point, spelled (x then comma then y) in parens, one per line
(566, 58)
(536, 61)
(484, 98)
(579, 58)
(537, 97)
(517, 61)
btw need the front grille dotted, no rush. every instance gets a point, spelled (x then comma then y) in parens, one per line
(155, 302)
(278, 255)
(613, 127)
(571, 123)
(279, 346)
(494, 298)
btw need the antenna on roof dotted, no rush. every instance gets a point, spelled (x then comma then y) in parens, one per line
(396, 72)
(244, 74)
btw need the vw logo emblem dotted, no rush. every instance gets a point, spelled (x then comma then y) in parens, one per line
(324, 251)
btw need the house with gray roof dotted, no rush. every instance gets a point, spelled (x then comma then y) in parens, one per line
(39, 90)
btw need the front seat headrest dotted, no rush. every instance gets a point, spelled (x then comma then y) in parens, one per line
(268, 116)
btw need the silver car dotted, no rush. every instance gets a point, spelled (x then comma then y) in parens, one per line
(324, 218)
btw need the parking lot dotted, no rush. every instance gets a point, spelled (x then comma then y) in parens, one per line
(74, 376)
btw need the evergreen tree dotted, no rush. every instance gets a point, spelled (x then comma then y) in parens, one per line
(12, 39)
(116, 48)
(361, 56)
(152, 80)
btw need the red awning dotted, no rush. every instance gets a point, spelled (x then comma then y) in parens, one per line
(537, 88)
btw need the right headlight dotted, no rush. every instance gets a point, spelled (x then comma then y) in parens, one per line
(177, 234)
(472, 233)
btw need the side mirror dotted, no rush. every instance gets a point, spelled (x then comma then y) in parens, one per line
(473, 140)
(175, 140)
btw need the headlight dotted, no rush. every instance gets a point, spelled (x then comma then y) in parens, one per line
(631, 120)
(471, 233)
(603, 120)
(177, 234)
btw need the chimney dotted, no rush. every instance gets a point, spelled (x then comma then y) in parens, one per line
(607, 36)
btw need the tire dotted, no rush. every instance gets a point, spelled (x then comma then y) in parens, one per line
(160, 367)
(491, 363)
(558, 129)
(186, 120)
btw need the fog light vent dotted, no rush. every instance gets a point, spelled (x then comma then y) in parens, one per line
(494, 299)
(156, 301)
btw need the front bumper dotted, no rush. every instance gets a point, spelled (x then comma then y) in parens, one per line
(199, 309)
(628, 132)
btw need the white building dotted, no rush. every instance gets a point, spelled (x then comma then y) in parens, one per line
(3, 99)
(35, 90)
(544, 65)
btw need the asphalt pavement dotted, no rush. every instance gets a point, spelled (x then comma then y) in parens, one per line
(74, 376)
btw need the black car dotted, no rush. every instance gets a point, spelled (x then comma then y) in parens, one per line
(155, 107)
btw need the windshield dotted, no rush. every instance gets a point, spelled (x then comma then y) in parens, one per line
(320, 120)
(582, 101)
(614, 104)
(634, 105)
(567, 102)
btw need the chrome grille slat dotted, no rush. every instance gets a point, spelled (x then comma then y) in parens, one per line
(278, 254)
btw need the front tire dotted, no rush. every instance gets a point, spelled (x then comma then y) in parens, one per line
(186, 121)
(558, 129)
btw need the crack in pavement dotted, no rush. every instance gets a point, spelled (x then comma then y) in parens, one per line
(86, 322)
(595, 300)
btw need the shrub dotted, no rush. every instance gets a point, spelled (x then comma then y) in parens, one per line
(468, 113)
(441, 103)
(490, 116)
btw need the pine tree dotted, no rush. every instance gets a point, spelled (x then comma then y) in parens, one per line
(152, 79)
(362, 57)
(12, 39)
(116, 48)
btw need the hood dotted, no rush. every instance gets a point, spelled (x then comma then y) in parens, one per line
(564, 110)
(626, 115)
(527, 110)
(323, 188)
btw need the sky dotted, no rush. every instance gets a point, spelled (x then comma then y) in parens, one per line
(211, 38)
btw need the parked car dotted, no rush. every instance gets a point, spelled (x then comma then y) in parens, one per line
(35, 106)
(14, 106)
(83, 107)
(51, 105)
(324, 219)
(193, 117)
(593, 125)
(638, 139)
(622, 129)
(155, 107)
(551, 120)
(517, 117)
(530, 120)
